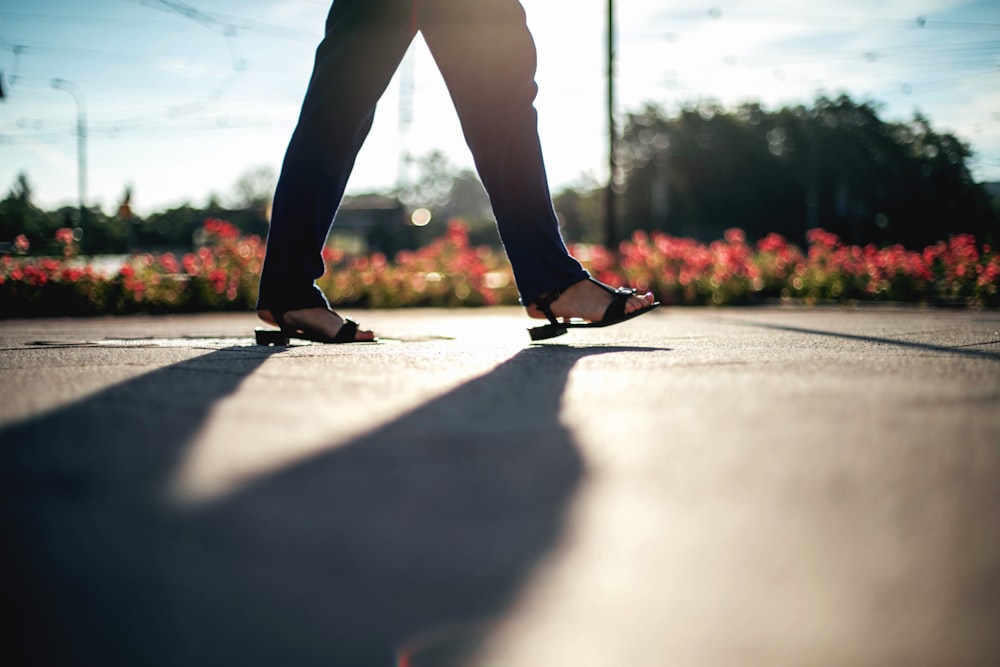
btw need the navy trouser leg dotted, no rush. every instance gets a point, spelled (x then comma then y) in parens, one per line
(487, 57)
(364, 44)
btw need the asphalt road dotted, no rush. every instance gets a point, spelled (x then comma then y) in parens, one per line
(698, 487)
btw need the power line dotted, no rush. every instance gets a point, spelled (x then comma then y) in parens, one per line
(933, 57)
(916, 22)
(227, 25)
(78, 20)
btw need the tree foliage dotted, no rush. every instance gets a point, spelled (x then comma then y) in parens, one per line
(450, 192)
(254, 188)
(174, 229)
(835, 165)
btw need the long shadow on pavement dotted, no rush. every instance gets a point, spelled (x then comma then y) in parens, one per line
(82, 509)
(960, 350)
(435, 518)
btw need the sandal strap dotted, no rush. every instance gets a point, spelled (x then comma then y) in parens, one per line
(347, 333)
(629, 291)
(544, 304)
(616, 309)
(279, 319)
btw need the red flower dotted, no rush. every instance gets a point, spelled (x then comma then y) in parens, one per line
(169, 263)
(225, 231)
(458, 232)
(217, 278)
(735, 236)
(190, 263)
(772, 243)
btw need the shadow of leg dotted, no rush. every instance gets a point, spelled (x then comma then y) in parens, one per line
(434, 519)
(82, 513)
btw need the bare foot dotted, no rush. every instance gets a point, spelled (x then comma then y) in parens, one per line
(319, 320)
(588, 301)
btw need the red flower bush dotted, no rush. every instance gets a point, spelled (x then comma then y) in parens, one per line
(730, 271)
(684, 271)
(222, 274)
(447, 272)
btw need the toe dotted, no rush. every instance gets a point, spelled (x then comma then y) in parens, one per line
(364, 335)
(639, 302)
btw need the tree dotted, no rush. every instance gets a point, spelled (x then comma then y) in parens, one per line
(580, 209)
(19, 215)
(432, 187)
(450, 192)
(254, 188)
(835, 165)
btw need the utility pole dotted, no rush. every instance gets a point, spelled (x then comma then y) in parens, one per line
(81, 142)
(407, 78)
(610, 215)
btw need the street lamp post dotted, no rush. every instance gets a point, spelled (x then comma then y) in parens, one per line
(81, 142)
(610, 215)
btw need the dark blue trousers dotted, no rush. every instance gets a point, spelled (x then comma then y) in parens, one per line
(487, 58)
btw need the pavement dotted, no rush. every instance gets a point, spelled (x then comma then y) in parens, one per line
(697, 487)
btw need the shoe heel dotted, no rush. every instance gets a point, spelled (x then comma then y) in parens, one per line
(547, 331)
(271, 337)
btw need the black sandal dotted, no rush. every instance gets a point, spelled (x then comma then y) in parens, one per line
(281, 337)
(614, 314)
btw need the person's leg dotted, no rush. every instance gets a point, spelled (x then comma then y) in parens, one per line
(365, 41)
(487, 58)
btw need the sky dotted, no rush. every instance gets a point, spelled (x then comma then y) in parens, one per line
(182, 97)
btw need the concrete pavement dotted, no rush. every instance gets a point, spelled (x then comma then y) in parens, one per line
(774, 486)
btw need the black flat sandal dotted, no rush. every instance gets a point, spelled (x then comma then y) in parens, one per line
(282, 336)
(614, 314)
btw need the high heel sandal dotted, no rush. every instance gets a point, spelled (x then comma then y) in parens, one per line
(283, 335)
(613, 314)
